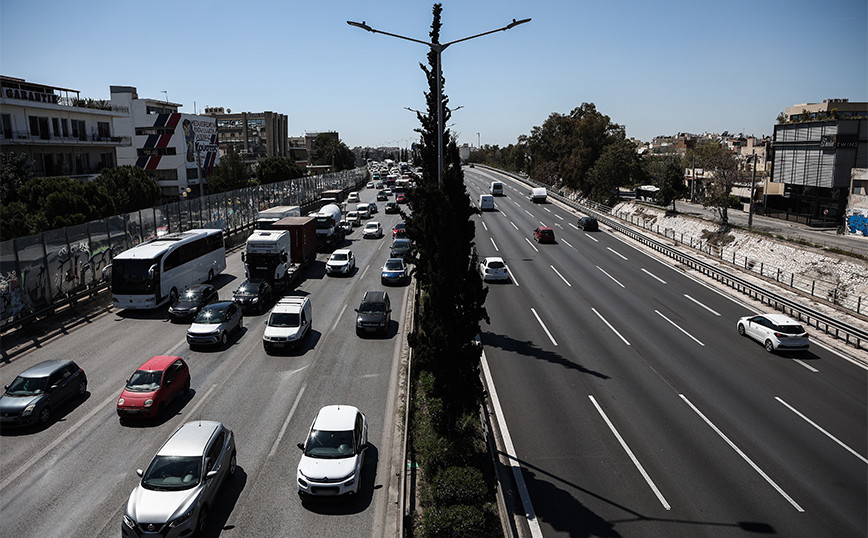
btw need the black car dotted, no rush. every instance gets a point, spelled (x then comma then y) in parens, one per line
(589, 224)
(391, 207)
(400, 247)
(39, 391)
(192, 300)
(253, 295)
(381, 196)
(374, 314)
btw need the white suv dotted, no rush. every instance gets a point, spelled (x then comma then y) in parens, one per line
(288, 323)
(333, 453)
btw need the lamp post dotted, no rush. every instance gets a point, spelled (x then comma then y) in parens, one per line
(437, 49)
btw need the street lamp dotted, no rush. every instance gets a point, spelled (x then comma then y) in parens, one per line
(437, 49)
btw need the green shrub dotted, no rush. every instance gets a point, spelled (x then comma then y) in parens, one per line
(459, 485)
(460, 521)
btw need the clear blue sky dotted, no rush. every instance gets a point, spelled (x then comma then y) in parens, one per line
(655, 67)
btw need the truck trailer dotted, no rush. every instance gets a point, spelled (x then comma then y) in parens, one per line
(267, 217)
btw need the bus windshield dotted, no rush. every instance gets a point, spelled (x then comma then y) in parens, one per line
(131, 276)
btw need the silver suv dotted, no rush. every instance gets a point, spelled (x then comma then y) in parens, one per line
(180, 484)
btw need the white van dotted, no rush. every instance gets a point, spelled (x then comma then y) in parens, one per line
(496, 188)
(486, 202)
(288, 323)
(364, 211)
(538, 195)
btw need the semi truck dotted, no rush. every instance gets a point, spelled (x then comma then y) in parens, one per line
(332, 197)
(302, 239)
(267, 217)
(328, 233)
(276, 255)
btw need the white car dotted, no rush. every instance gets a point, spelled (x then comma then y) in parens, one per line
(372, 230)
(333, 453)
(353, 197)
(354, 218)
(288, 323)
(774, 331)
(493, 269)
(364, 211)
(341, 262)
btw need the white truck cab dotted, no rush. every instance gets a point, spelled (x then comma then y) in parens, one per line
(288, 323)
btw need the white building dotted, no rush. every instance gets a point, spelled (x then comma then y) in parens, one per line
(61, 133)
(178, 150)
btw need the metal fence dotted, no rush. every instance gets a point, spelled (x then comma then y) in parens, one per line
(42, 272)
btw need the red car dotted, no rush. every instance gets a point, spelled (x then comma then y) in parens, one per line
(153, 386)
(544, 235)
(401, 199)
(400, 230)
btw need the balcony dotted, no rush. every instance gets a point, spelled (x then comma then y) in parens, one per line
(25, 138)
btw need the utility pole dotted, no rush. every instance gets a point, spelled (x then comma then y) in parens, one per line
(752, 187)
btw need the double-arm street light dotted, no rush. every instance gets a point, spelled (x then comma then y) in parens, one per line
(437, 48)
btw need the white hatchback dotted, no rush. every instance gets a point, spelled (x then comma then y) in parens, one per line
(333, 453)
(372, 230)
(493, 269)
(774, 331)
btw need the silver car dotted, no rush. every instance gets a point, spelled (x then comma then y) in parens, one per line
(214, 323)
(180, 485)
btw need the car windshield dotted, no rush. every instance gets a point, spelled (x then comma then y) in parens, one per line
(190, 296)
(172, 473)
(394, 265)
(791, 329)
(371, 226)
(247, 289)
(495, 265)
(373, 308)
(284, 319)
(27, 386)
(401, 243)
(339, 257)
(144, 381)
(329, 444)
(209, 315)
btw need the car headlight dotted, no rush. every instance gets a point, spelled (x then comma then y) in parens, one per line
(149, 402)
(255, 300)
(171, 310)
(181, 520)
(28, 410)
(129, 522)
(120, 401)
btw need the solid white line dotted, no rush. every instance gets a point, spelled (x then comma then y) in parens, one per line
(679, 328)
(806, 365)
(594, 310)
(592, 238)
(632, 456)
(511, 274)
(531, 244)
(366, 269)
(829, 435)
(569, 245)
(529, 513)
(652, 275)
(702, 305)
(743, 455)
(273, 450)
(495, 244)
(616, 253)
(543, 326)
(484, 226)
(513, 225)
(560, 275)
(339, 316)
(610, 276)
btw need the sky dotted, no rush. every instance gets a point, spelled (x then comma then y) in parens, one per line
(656, 68)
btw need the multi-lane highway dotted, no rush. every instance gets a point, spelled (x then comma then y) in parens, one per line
(635, 409)
(73, 477)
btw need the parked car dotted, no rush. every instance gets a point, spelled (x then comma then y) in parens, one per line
(493, 268)
(391, 207)
(40, 390)
(341, 262)
(253, 295)
(333, 453)
(192, 300)
(589, 224)
(774, 331)
(214, 323)
(544, 235)
(374, 313)
(153, 386)
(400, 247)
(180, 485)
(288, 323)
(394, 272)
(399, 230)
(372, 230)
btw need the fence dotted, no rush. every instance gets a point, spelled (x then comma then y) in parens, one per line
(43, 272)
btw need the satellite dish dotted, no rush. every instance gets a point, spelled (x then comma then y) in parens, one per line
(229, 111)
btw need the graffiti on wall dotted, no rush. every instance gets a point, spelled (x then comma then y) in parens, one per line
(857, 220)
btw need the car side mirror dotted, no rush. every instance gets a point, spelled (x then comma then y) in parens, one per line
(356, 310)
(300, 446)
(140, 472)
(168, 382)
(363, 447)
(388, 311)
(210, 475)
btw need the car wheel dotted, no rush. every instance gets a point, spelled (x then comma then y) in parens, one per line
(769, 346)
(44, 415)
(202, 522)
(82, 388)
(187, 387)
(224, 339)
(173, 296)
(741, 329)
(232, 465)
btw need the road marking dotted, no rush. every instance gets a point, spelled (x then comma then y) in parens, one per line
(495, 244)
(560, 275)
(511, 274)
(594, 310)
(543, 326)
(652, 275)
(558, 216)
(679, 328)
(484, 226)
(574, 226)
(516, 203)
(366, 269)
(806, 365)
(531, 244)
(569, 245)
(339, 316)
(702, 305)
(273, 450)
(632, 456)
(616, 253)
(547, 209)
(829, 435)
(529, 513)
(528, 212)
(513, 225)
(592, 238)
(610, 276)
(743, 455)
(559, 226)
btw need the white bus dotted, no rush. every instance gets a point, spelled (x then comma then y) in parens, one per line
(155, 272)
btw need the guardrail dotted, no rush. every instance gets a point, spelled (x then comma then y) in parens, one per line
(830, 325)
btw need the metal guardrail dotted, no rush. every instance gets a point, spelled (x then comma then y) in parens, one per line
(830, 325)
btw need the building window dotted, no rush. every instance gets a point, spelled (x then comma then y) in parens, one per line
(55, 126)
(7, 126)
(192, 173)
(163, 175)
(64, 124)
(145, 131)
(153, 152)
(103, 129)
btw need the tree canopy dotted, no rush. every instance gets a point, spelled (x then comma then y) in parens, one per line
(276, 169)
(230, 174)
(328, 150)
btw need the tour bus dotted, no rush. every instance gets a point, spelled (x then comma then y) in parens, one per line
(156, 271)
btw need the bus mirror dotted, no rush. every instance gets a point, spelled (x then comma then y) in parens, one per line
(243, 257)
(151, 271)
(105, 269)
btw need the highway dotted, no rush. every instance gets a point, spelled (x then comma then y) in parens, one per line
(72, 478)
(634, 407)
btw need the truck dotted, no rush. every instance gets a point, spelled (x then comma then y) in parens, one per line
(328, 233)
(266, 256)
(332, 197)
(303, 242)
(538, 195)
(265, 218)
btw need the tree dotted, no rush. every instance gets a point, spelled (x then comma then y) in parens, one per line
(128, 188)
(616, 167)
(667, 174)
(725, 173)
(276, 169)
(14, 173)
(328, 150)
(230, 174)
